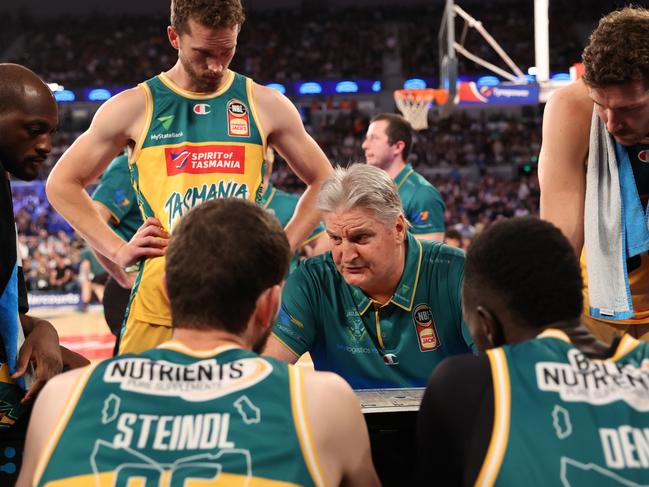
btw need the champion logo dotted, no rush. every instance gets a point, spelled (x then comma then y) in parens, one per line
(201, 109)
(180, 159)
(643, 155)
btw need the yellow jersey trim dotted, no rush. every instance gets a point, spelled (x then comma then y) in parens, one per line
(627, 344)
(270, 198)
(377, 317)
(55, 434)
(313, 237)
(178, 346)
(405, 178)
(302, 427)
(148, 116)
(414, 287)
(193, 95)
(253, 109)
(554, 333)
(502, 414)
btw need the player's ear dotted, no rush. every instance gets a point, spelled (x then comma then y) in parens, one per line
(268, 304)
(490, 328)
(173, 37)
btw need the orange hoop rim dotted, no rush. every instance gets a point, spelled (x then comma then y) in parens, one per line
(439, 95)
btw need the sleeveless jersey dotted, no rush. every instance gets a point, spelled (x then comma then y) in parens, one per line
(561, 418)
(637, 266)
(175, 417)
(193, 148)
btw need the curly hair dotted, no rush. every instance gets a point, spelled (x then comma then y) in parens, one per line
(211, 13)
(618, 49)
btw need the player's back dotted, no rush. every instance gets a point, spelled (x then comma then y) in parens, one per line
(171, 416)
(561, 418)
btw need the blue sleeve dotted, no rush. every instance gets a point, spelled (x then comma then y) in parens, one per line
(296, 322)
(425, 211)
(115, 190)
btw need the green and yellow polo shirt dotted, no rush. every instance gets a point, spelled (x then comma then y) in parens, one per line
(373, 345)
(422, 203)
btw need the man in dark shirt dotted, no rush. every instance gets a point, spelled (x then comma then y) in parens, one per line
(536, 408)
(28, 117)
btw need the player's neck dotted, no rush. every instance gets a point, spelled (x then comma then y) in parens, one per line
(395, 167)
(182, 80)
(206, 339)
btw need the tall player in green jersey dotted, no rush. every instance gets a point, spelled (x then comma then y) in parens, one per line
(547, 404)
(204, 408)
(387, 145)
(195, 132)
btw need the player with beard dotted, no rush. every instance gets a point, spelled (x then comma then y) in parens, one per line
(195, 132)
(204, 405)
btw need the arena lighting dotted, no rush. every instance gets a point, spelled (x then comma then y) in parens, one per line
(488, 81)
(376, 86)
(560, 77)
(414, 84)
(277, 86)
(63, 96)
(99, 94)
(310, 88)
(55, 87)
(347, 87)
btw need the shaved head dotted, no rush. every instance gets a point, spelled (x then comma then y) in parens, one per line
(28, 117)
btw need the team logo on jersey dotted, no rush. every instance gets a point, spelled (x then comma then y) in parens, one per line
(202, 109)
(420, 217)
(427, 336)
(355, 326)
(238, 119)
(205, 159)
(643, 155)
(166, 121)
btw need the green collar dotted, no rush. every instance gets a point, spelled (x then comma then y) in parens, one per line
(405, 292)
(403, 175)
(268, 196)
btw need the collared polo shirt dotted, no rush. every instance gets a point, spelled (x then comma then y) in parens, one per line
(396, 344)
(282, 205)
(422, 203)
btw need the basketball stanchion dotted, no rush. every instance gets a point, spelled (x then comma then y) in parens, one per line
(414, 104)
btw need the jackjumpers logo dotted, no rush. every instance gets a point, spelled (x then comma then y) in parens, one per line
(205, 159)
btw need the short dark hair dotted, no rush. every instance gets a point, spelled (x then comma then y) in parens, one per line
(618, 49)
(222, 255)
(398, 129)
(529, 265)
(211, 13)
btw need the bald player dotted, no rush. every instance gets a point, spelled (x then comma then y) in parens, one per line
(28, 117)
(205, 407)
(196, 132)
(616, 87)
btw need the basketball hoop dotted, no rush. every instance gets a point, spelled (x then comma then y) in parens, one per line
(414, 104)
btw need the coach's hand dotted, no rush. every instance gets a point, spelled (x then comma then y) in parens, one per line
(41, 347)
(150, 240)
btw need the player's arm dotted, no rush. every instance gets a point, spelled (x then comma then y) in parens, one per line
(294, 330)
(562, 169)
(115, 125)
(47, 413)
(339, 430)
(286, 133)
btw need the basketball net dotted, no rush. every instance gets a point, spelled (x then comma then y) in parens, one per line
(414, 104)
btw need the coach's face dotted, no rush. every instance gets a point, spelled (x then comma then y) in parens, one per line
(367, 252)
(624, 109)
(26, 133)
(205, 53)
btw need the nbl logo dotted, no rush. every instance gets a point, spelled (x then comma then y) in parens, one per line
(201, 109)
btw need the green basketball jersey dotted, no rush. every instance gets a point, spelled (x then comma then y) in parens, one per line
(176, 417)
(422, 203)
(561, 418)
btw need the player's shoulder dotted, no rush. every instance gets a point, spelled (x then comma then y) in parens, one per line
(468, 367)
(570, 100)
(433, 251)
(327, 385)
